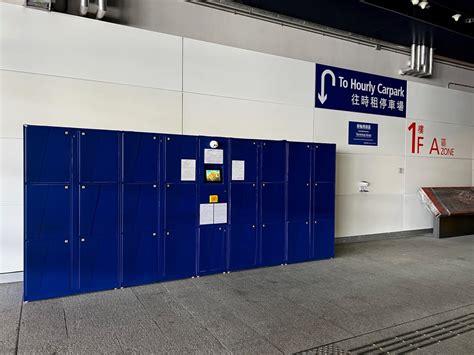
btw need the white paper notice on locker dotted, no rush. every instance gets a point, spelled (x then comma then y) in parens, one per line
(213, 156)
(238, 170)
(188, 170)
(220, 213)
(206, 213)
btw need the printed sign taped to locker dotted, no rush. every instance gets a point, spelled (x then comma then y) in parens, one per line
(188, 170)
(220, 213)
(213, 156)
(238, 170)
(206, 213)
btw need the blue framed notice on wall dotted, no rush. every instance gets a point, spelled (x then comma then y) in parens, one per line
(363, 133)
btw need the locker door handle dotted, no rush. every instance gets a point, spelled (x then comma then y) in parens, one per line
(316, 222)
(66, 241)
(83, 239)
(154, 234)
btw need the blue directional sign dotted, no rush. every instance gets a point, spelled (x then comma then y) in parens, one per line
(363, 133)
(349, 90)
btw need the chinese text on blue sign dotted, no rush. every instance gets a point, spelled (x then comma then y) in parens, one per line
(363, 133)
(349, 90)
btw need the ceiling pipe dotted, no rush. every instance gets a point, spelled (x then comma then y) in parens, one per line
(101, 9)
(84, 7)
(411, 63)
(420, 63)
(428, 68)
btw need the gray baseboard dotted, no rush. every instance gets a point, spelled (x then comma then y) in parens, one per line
(11, 277)
(385, 236)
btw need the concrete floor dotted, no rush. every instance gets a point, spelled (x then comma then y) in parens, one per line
(371, 291)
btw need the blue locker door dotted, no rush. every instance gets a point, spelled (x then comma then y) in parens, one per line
(273, 244)
(180, 252)
(176, 149)
(243, 221)
(324, 162)
(243, 204)
(323, 231)
(48, 269)
(180, 230)
(273, 202)
(140, 234)
(299, 241)
(140, 157)
(98, 156)
(243, 246)
(47, 241)
(273, 166)
(48, 154)
(48, 212)
(212, 249)
(98, 237)
(245, 150)
(324, 196)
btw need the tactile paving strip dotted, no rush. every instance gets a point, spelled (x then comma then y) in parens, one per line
(406, 342)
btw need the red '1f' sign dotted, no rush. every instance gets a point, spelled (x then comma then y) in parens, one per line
(438, 145)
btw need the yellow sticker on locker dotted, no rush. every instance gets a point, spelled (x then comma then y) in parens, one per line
(213, 198)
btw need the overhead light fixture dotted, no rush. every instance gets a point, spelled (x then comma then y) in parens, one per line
(424, 4)
(469, 20)
(456, 17)
(415, 2)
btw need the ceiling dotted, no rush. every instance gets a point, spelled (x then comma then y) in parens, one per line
(395, 21)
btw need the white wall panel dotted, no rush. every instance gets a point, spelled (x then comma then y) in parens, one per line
(458, 137)
(11, 168)
(11, 238)
(220, 116)
(416, 215)
(433, 172)
(368, 214)
(57, 44)
(332, 126)
(232, 72)
(431, 103)
(381, 171)
(46, 100)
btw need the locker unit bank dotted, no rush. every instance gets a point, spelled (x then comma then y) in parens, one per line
(110, 209)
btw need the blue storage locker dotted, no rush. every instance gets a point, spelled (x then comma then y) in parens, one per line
(141, 237)
(180, 209)
(48, 154)
(243, 216)
(48, 242)
(299, 201)
(273, 203)
(105, 209)
(98, 237)
(141, 152)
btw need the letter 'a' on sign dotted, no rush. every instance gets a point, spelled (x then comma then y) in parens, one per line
(349, 90)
